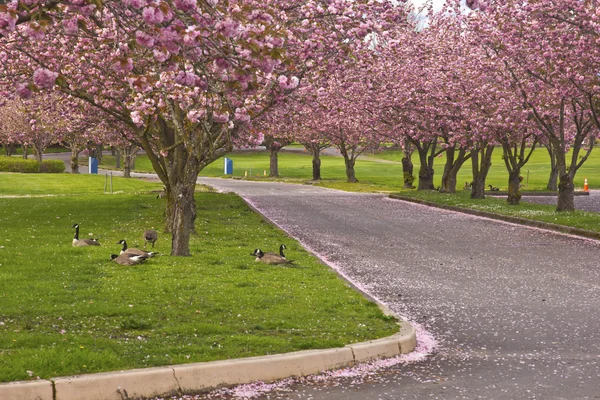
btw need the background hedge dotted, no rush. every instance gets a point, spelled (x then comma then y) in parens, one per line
(13, 164)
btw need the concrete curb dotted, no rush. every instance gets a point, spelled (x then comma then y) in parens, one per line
(506, 218)
(186, 378)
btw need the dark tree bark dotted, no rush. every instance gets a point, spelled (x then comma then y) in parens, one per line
(316, 165)
(350, 154)
(117, 155)
(514, 186)
(407, 164)
(481, 161)
(315, 149)
(25, 152)
(553, 178)
(274, 162)
(274, 144)
(515, 156)
(566, 194)
(10, 149)
(74, 161)
(454, 163)
(129, 154)
(427, 153)
(183, 151)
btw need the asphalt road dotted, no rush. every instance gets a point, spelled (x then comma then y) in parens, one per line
(515, 310)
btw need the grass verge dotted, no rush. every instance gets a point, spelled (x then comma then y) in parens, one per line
(70, 310)
(588, 221)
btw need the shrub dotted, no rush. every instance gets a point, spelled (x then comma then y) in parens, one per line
(52, 166)
(13, 164)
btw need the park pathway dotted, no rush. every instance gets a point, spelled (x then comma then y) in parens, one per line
(516, 311)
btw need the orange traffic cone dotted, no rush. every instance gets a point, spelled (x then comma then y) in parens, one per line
(586, 188)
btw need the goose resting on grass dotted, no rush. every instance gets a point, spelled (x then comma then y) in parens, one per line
(83, 242)
(270, 258)
(133, 250)
(128, 259)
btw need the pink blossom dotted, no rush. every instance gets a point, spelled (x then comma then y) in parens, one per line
(143, 39)
(288, 83)
(7, 21)
(23, 91)
(196, 115)
(161, 55)
(186, 5)
(70, 26)
(135, 3)
(242, 115)
(136, 117)
(228, 27)
(186, 78)
(221, 117)
(44, 78)
(153, 15)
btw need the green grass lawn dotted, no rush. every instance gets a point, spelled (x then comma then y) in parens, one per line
(498, 205)
(380, 176)
(67, 310)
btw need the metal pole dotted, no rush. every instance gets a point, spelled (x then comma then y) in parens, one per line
(105, 182)
(111, 183)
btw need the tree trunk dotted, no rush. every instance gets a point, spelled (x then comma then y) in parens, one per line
(274, 162)
(566, 194)
(74, 161)
(481, 161)
(350, 173)
(9, 149)
(39, 153)
(99, 153)
(117, 154)
(514, 187)
(128, 161)
(114, 151)
(181, 205)
(553, 179)
(451, 168)
(25, 152)
(407, 166)
(316, 163)
(181, 210)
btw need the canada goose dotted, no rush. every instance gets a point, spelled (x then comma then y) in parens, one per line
(281, 248)
(132, 250)
(150, 235)
(128, 259)
(270, 258)
(83, 242)
(493, 189)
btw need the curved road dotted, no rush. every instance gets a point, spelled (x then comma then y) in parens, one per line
(516, 310)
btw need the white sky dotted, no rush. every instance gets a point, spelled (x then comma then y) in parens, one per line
(437, 4)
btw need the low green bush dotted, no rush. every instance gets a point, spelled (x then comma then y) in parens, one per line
(13, 164)
(52, 166)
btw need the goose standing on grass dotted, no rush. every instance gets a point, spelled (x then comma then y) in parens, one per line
(150, 235)
(270, 258)
(133, 250)
(128, 259)
(83, 242)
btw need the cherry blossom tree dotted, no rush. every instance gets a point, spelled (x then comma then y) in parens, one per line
(185, 76)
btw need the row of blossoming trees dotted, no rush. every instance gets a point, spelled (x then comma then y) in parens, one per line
(187, 80)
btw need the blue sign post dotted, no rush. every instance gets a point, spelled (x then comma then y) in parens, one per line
(228, 170)
(93, 165)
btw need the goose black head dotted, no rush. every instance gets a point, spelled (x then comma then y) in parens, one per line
(113, 256)
(258, 253)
